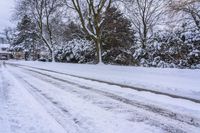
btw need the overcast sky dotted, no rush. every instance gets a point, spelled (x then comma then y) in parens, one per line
(6, 10)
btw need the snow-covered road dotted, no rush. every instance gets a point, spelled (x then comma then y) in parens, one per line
(38, 101)
(20, 112)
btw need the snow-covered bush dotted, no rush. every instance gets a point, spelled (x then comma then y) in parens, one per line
(76, 51)
(117, 56)
(171, 49)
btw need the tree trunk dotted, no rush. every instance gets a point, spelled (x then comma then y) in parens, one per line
(52, 55)
(99, 51)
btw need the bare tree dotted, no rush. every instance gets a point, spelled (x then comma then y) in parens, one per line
(8, 33)
(144, 14)
(91, 13)
(43, 12)
(189, 7)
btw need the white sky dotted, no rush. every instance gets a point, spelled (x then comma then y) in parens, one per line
(6, 10)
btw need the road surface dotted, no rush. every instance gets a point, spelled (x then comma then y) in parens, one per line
(36, 100)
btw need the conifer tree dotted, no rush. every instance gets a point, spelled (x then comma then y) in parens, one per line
(118, 37)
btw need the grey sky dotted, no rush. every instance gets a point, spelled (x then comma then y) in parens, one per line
(6, 9)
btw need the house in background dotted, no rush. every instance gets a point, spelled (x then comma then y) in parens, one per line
(5, 54)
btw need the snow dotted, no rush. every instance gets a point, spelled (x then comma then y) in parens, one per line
(20, 112)
(31, 102)
(4, 46)
(183, 82)
(74, 50)
(181, 106)
(91, 119)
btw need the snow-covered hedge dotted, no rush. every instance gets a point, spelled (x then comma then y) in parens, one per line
(76, 51)
(179, 49)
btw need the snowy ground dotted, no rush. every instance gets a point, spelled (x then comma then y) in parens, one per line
(38, 101)
(174, 81)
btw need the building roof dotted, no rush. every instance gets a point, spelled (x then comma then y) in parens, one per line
(5, 52)
(4, 45)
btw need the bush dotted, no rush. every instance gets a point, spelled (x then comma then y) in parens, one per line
(76, 51)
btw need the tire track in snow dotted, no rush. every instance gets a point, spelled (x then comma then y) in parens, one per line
(162, 112)
(112, 83)
(57, 111)
(4, 121)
